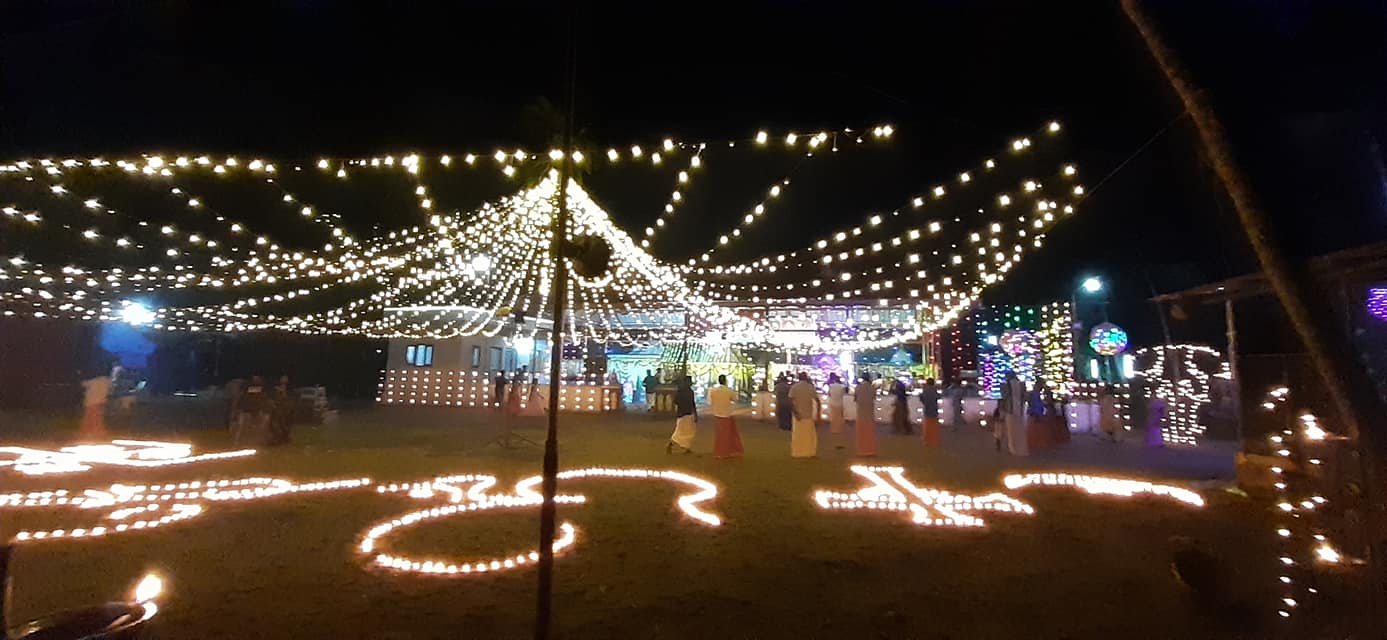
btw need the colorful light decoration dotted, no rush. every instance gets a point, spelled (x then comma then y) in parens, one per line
(927, 507)
(1016, 342)
(163, 504)
(120, 453)
(474, 499)
(1107, 339)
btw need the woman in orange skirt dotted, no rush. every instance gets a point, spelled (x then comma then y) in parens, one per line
(865, 396)
(727, 443)
(929, 397)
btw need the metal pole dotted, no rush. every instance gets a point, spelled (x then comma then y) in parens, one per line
(545, 591)
(1232, 325)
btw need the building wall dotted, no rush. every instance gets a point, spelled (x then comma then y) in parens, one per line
(469, 353)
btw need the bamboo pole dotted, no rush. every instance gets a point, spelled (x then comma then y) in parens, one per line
(1351, 394)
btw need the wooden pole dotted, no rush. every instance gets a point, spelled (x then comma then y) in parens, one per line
(1231, 323)
(550, 483)
(1352, 395)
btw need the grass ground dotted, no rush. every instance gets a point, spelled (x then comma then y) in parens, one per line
(780, 567)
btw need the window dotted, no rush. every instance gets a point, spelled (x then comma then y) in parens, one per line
(496, 363)
(419, 355)
(476, 356)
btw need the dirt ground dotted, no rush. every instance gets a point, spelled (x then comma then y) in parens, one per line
(779, 567)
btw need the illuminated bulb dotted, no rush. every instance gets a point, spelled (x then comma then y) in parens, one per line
(613, 155)
(1054, 126)
(790, 139)
(761, 137)
(636, 151)
(555, 154)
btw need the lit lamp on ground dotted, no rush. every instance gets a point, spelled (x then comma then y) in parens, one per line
(110, 621)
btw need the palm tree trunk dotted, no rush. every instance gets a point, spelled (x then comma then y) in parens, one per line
(1354, 399)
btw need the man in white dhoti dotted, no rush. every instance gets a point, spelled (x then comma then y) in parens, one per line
(805, 404)
(1012, 431)
(686, 415)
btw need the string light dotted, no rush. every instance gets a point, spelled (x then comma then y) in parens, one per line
(1183, 384)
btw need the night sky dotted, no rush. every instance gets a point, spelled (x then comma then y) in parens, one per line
(1298, 84)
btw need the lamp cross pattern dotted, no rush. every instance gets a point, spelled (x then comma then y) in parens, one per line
(891, 491)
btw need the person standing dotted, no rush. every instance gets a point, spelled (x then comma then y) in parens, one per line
(95, 392)
(1107, 413)
(232, 391)
(498, 396)
(253, 421)
(956, 403)
(782, 402)
(836, 392)
(686, 416)
(900, 412)
(281, 413)
(727, 443)
(1012, 407)
(648, 385)
(865, 396)
(929, 397)
(805, 404)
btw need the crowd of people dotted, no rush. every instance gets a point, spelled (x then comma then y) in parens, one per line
(257, 415)
(1024, 418)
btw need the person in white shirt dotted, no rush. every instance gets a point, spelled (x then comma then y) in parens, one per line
(836, 392)
(727, 443)
(805, 403)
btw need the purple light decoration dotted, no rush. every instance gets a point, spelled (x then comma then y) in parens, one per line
(1377, 303)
